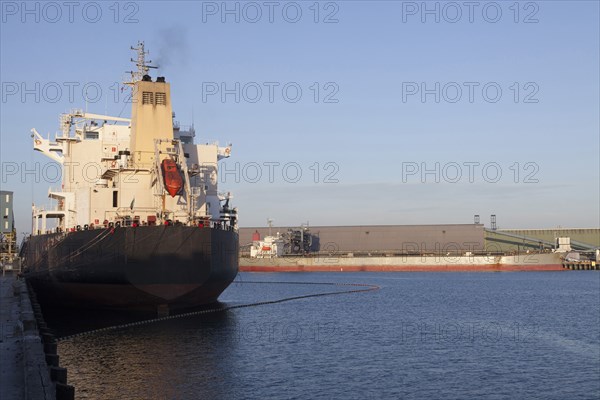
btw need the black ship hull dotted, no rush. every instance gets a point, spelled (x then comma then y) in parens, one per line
(141, 268)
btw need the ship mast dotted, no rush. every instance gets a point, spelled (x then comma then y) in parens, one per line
(141, 63)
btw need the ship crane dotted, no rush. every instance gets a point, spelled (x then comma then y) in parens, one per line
(77, 116)
(55, 149)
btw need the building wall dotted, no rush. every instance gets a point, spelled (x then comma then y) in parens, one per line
(6, 212)
(386, 237)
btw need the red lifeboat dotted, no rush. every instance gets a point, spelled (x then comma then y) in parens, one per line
(171, 176)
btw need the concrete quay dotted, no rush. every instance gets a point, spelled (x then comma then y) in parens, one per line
(29, 368)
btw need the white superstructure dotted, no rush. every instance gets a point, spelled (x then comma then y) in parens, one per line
(269, 247)
(112, 170)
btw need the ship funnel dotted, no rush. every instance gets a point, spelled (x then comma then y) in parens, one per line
(151, 118)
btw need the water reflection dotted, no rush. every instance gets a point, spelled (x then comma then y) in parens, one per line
(188, 357)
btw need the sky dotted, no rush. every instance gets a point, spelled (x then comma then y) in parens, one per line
(339, 112)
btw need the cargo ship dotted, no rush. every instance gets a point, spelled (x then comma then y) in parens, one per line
(350, 262)
(416, 248)
(138, 222)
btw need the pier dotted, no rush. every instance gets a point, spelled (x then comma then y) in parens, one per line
(586, 265)
(30, 366)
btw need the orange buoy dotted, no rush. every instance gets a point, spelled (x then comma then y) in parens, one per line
(171, 176)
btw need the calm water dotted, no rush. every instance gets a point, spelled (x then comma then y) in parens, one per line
(421, 336)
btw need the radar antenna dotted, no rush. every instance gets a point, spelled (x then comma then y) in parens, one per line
(142, 65)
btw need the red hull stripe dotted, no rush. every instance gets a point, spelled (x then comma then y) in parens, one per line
(400, 268)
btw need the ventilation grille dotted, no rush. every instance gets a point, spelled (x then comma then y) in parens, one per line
(147, 98)
(161, 99)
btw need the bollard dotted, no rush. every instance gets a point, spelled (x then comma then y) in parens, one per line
(47, 338)
(44, 329)
(16, 286)
(29, 325)
(50, 348)
(52, 360)
(65, 392)
(58, 374)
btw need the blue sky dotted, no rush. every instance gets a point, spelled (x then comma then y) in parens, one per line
(358, 138)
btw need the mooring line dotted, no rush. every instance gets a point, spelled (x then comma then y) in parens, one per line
(364, 287)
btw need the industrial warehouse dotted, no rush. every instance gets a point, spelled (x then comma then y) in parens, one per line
(429, 238)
